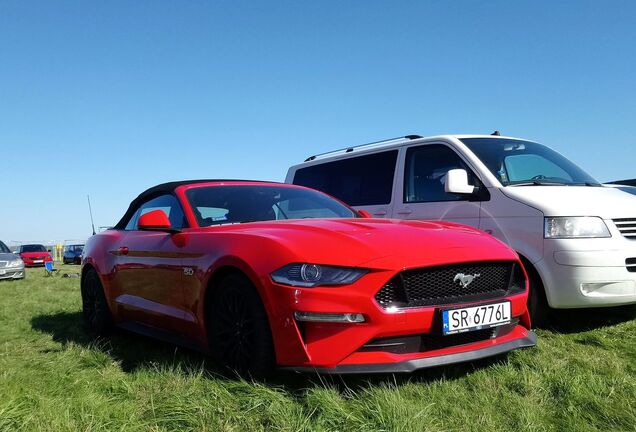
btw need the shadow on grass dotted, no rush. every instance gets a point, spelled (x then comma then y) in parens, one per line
(568, 321)
(130, 350)
(134, 351)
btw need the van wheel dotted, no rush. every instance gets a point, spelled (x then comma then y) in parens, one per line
(238, 330)
(537, 302)
(97, 317)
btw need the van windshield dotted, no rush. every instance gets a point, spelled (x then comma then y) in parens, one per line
(525, 163)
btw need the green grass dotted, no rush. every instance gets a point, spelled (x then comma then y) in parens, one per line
(581, 376)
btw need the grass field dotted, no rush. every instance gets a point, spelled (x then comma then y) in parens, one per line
(581, 376)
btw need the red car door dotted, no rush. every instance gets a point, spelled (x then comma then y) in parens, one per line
(148, 270)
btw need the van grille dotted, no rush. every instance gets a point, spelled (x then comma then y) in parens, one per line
(627, 227)
(440, 285)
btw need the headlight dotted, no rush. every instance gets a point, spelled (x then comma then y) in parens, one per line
(575, 227)
(311, 275)
(15, 263)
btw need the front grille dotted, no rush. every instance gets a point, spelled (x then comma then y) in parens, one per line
(630, 263)
(431, 341)
(442, 285)
(627, 227)
(3, 264)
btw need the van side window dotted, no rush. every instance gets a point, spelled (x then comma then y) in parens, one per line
(358, 181)
(167, 203)
(425, 173)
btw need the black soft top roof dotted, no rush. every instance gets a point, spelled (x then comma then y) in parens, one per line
(168, 188)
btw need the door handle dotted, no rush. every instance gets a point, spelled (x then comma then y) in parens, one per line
(379, 213)
(123, 250)
(405, 212)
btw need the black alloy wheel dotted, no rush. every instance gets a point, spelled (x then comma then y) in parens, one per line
(97, 317)
(239, 333)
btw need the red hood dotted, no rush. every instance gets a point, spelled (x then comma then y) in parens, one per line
(35, 255)
(378, 243)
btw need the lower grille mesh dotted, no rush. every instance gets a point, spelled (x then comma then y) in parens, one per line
(433, 341)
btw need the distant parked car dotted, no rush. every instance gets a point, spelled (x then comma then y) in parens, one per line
(11, 266)
(624, 188)
(73, 254)
(34, 255)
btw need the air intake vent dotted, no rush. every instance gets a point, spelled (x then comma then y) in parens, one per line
(631, 265)
(627, 227)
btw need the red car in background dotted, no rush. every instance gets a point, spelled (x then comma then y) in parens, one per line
(34, 255)
(263, 275)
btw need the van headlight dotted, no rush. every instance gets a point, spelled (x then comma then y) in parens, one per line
(575, 227)
(311, 275)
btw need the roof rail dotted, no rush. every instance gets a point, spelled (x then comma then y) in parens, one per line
(350, 149)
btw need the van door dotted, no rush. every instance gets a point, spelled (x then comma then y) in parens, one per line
(420, 191)
(364, 182)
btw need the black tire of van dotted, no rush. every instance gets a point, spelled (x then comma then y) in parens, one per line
(538, 306)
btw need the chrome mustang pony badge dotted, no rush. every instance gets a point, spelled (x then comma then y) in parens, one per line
(465, 280)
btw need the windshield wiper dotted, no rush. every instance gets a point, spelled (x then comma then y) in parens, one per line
(585, 184)
(538, 183)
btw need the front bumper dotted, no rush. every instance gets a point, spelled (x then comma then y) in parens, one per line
(344, 347)
(12, 273)
(32, 263)
(408, 366)
(580, 277)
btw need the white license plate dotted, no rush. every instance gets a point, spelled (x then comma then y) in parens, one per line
(3, 272)
(38, 261)
(475, 318)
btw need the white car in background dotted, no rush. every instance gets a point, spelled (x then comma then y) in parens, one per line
(11, 265)
(576, 238)
(625, 188)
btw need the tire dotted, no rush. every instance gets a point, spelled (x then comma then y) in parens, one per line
(97, 317)
(538, 306)
(239, 334)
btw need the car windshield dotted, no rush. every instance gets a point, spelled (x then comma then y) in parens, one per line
(32, 248)
(218, 205)
(4, 248)
(75, 248)
(525, 163)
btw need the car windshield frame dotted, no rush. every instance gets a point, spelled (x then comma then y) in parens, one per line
(216, 205)
(494, 154)
(4, 248)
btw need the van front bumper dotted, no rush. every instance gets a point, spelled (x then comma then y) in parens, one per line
(587, 278)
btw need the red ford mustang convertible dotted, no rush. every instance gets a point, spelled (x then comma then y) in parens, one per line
(264, 275)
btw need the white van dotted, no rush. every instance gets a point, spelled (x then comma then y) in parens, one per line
(576, 237)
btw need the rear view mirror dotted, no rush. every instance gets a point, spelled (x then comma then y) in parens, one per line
(457, 182)
(156, 220)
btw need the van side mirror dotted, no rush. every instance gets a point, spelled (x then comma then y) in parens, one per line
(457, 182)
(156, 220)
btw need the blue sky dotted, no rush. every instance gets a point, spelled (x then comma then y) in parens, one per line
(109, 98)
